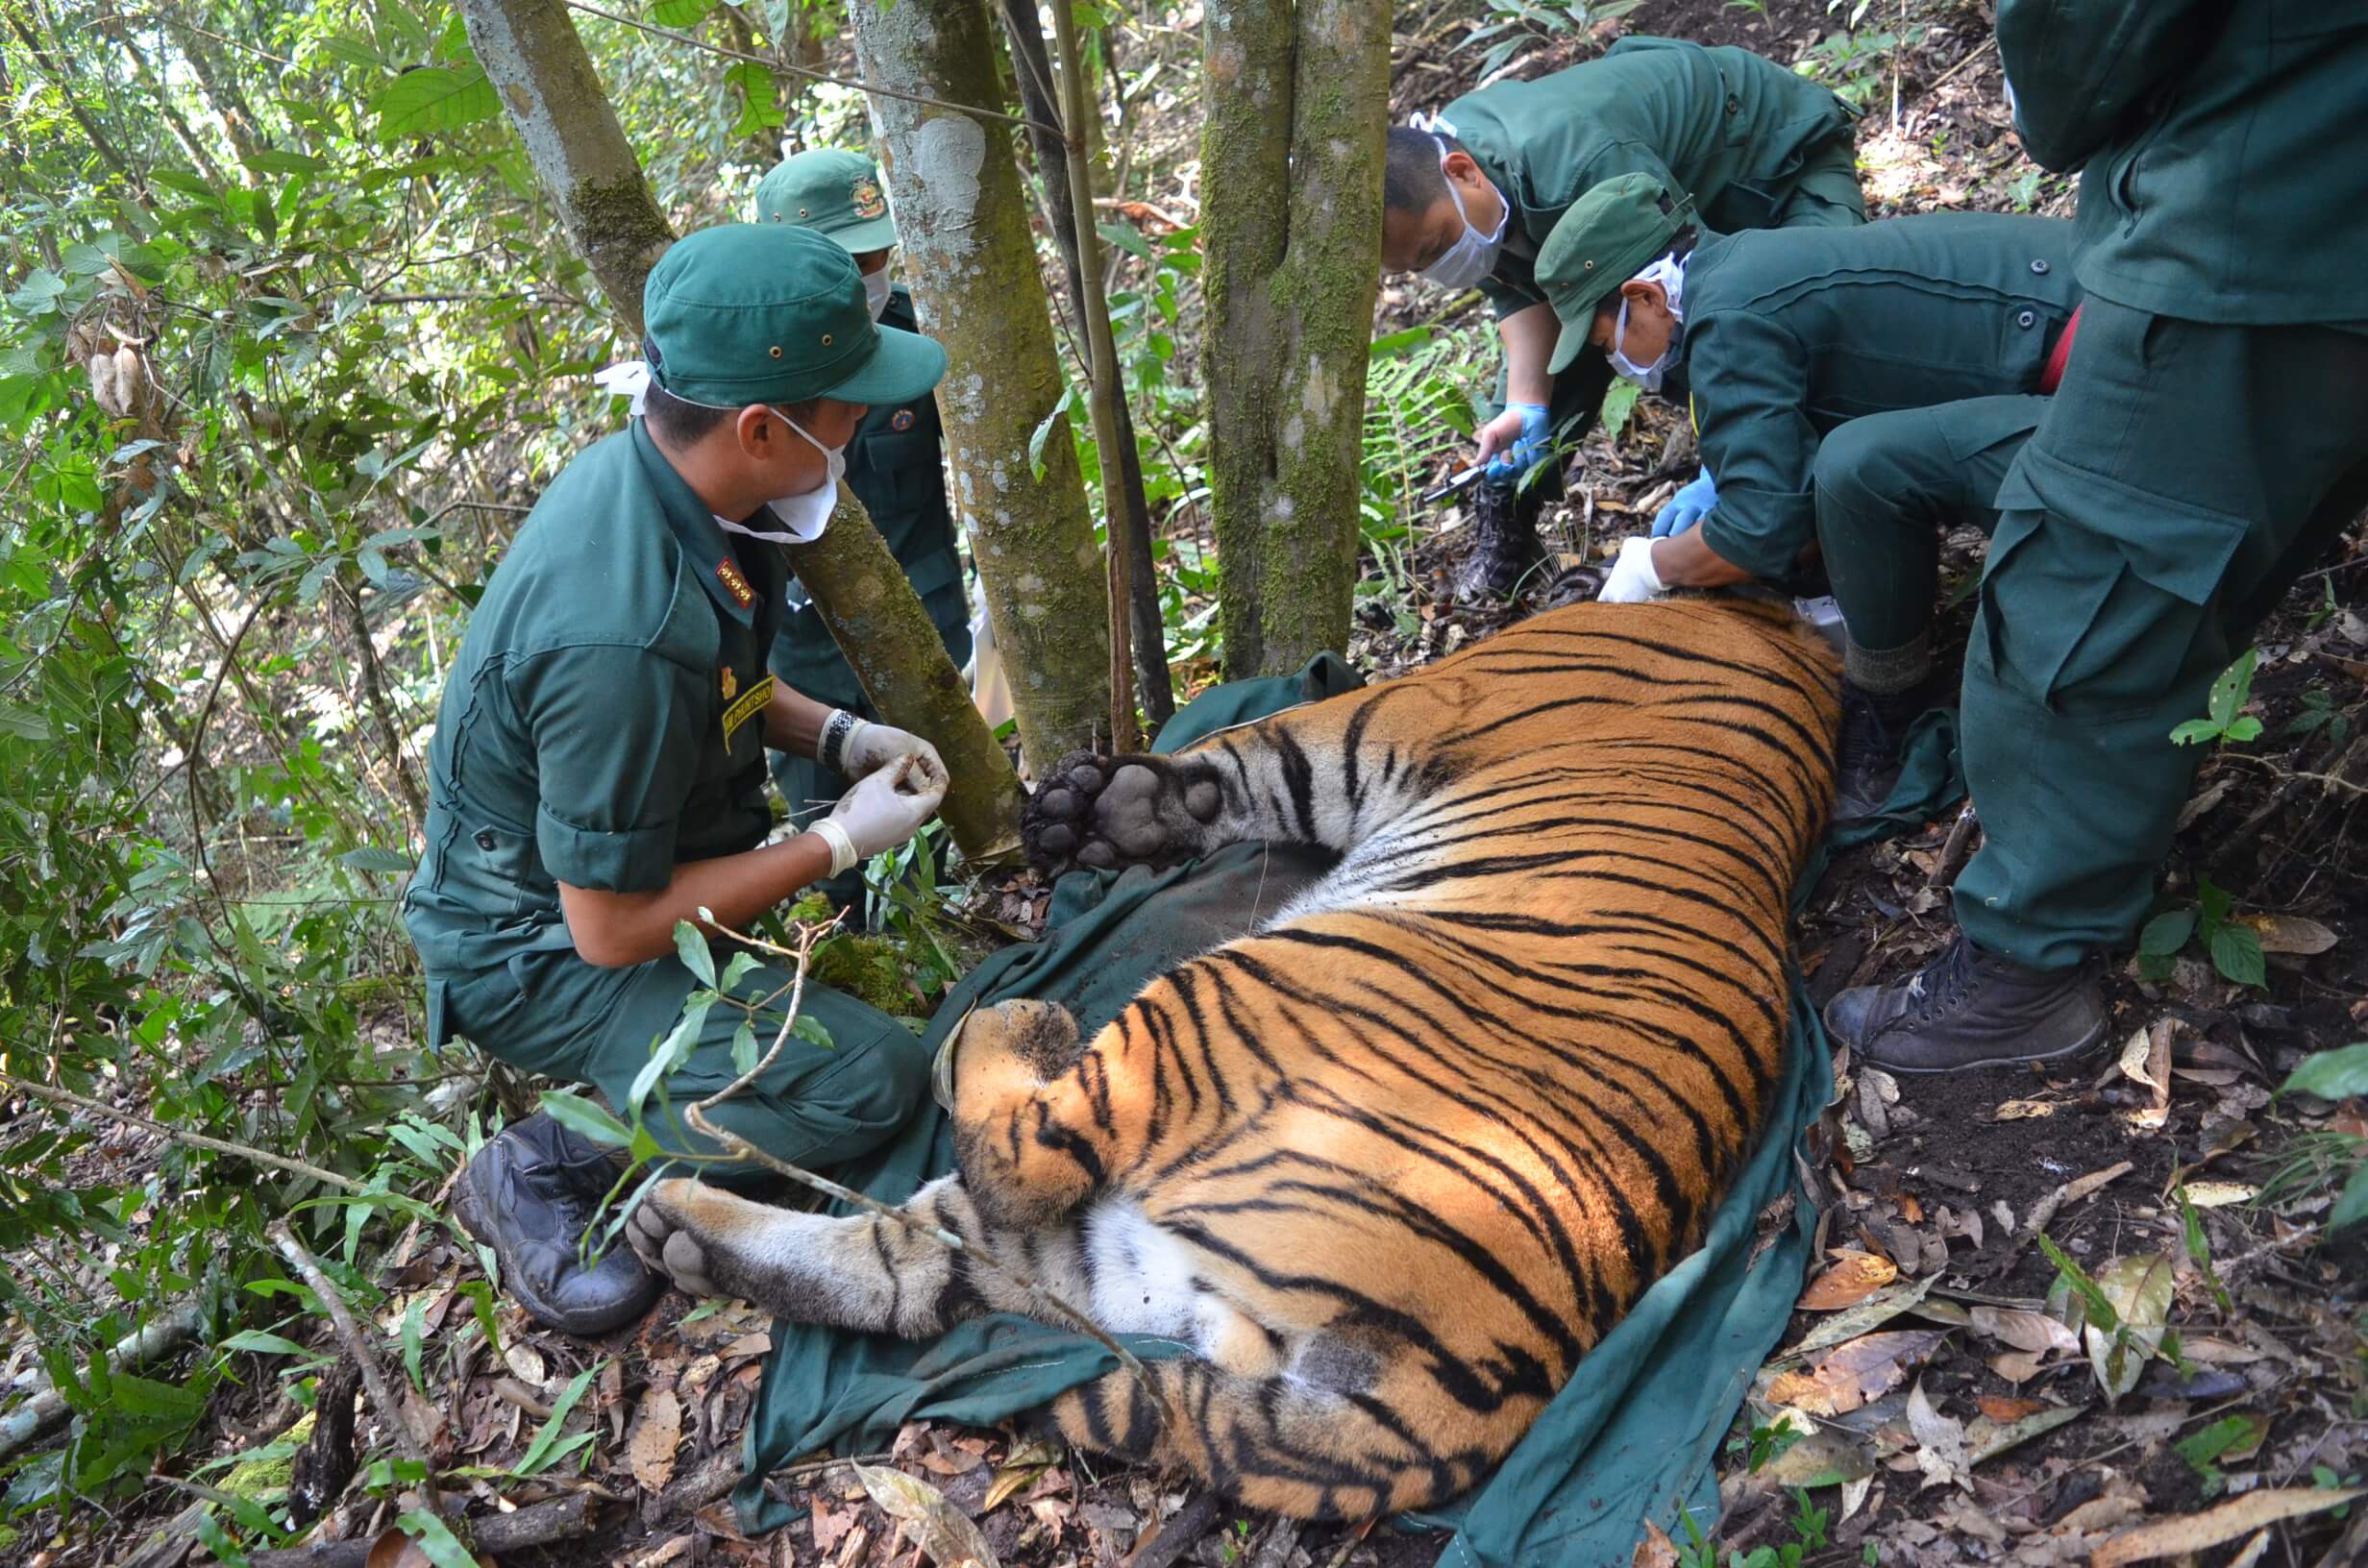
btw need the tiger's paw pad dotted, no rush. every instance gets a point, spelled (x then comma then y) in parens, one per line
(1106, 812)
(667, 1239)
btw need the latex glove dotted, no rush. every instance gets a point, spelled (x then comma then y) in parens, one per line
(884, 809)
(1689, 506)
(1514, 441)
(1633, 580)
(872, 747)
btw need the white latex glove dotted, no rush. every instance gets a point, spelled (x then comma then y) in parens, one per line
(884, 809)
(872, 747)
(1633, 580)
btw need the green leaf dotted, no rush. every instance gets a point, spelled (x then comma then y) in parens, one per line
(435, 1539)
(2167, 933)
(2216, 904)
(1044, 428)
(2352, 1207)
(670, 1054)
(414, 1322)
(433, 98)
(2245, 727)
(2332, 1075)
(2236, 953)
(692, 947)
(371, 858)
(810, 1030)
(263, 1344)
(736, 970)
(744, 1048)
(2230, 690)
(275, 160)
(1126, 237)
(217, 1541)
(538, 1454)
(2098, 1311)
(1618, 404)
(760, 106)
(2195, 732)
(40, 290)
(24, 723)
(580, 1115)
(681, 14)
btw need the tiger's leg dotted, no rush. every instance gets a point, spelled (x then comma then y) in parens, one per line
(862, 1272)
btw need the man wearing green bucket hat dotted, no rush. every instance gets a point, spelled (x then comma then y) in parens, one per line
(598, 770)
(895, 464)
(1850, 388)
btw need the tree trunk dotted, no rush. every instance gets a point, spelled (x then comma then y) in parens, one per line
(219, 89)
(1032, 70)
(1290, 226)
(537, 63)
(531, 51)
(964, 230)
(895, 651)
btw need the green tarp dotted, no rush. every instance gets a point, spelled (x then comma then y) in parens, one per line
(1634, 1436)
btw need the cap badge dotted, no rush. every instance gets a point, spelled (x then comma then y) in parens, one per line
(728, 682)
(901, 420)
(735, 586)
(865, 194)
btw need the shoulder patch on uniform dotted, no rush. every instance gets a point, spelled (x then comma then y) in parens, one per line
(901, 420)
(735, 584)
(751, 703)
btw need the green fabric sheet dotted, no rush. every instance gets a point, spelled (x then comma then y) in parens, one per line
(1632, 1437)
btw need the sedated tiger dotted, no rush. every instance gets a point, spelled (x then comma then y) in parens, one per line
(1393, 1160)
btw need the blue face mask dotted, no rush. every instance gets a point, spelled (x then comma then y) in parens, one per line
(1473, 255)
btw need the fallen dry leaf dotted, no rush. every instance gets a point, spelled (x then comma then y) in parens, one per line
(1824, 1456)
(2139, 1290)
(1654, 1550)
(1020, 1470)
(525, 1361)
(828, 1524)
(657, 1432)
(943, 1530)
(2146, 1060)
(2002, 1409)
(2016, 1367)
(1870, 1314)
(1853, 1278)
(2219, 1195)
(2023, 1110)
(393, 1549)
(1986, 1438)
(1939, 1442)
(2290, 934)
(2019, 1330)
(1851, 1374)
(2238, 1516)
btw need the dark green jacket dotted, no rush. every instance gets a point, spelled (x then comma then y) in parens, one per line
(2226, 179)
(1721, 124)
(895, 464)
(603, 721)
(1791, 331)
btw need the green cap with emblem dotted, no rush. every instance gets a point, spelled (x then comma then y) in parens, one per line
(831, 192)
(1605, 237)
(759, 312)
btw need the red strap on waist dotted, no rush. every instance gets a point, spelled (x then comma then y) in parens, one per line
(2060, 354)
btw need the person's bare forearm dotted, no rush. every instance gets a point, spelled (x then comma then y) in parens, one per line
(1683, 561)
(615, 930)
(793, 720)
(1529, 337)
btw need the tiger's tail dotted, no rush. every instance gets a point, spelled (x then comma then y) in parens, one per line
(1278, 1443)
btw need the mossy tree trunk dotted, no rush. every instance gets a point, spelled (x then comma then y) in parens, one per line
(963, 227)
(531, 52)
(1291, 221)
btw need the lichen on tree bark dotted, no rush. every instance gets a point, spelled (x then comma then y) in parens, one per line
(1291, 164)
(963, 227)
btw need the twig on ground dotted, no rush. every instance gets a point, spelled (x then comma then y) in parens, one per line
(45, 1408)
(2044, 1211)
(539, 1524)
(1179, 1534)
(195, 1141)
(365, 1357)
(742, 1149)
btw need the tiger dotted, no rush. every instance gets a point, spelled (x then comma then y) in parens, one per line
(1392, 1161)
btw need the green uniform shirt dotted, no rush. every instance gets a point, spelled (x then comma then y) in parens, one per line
(1788, 333)
(605, 719)
(895, 464)
(2224, 180)
(1721, 124)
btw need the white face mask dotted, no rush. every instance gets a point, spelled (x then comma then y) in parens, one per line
(1473, 255)
(875, 286)
(1671, 276)
(805, 516)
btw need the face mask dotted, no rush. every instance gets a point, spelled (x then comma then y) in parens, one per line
(802, 517)
(875, 286)
(1473, 254)
(1671, 276)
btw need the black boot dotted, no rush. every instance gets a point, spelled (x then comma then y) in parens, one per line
(1971, 1008)
(1866, 758)
(528, 1195)
(1504, 545)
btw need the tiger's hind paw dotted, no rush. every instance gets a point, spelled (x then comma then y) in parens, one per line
(1107, 812)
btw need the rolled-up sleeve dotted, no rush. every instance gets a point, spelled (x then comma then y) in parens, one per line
(615, 732)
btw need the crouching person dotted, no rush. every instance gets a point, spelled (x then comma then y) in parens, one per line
(599, 764)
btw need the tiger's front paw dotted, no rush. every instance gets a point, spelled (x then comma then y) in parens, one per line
(1106, 812)
(709, 1241)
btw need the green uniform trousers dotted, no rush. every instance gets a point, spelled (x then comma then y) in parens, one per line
(2182, 476)
(551, 1013)
(1888, 485)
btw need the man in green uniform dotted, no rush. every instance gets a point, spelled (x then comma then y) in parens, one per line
(1472, 199)
(1857, 383)
(895, 465)
(598, 770)
(2206, 446)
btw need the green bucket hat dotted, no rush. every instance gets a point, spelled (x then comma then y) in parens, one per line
(831, 192)
(1604, 238)
(749, 312)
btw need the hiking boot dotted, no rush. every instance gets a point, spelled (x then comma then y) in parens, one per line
(528, 1195)
(1970, 1009)
(1867, 757)
(1504, 545)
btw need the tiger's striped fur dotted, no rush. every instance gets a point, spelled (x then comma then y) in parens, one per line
(1395, 1160)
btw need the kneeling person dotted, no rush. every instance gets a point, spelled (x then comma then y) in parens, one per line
(599, 766)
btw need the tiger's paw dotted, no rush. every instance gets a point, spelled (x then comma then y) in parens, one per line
(1107, 812)
(707, 1241)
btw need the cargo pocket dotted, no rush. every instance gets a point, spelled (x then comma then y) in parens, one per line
(2096, 592)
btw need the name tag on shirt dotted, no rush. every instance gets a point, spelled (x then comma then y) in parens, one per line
(747, 706)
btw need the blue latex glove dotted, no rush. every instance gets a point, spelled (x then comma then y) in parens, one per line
(1517, 460)
(1689, 506)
